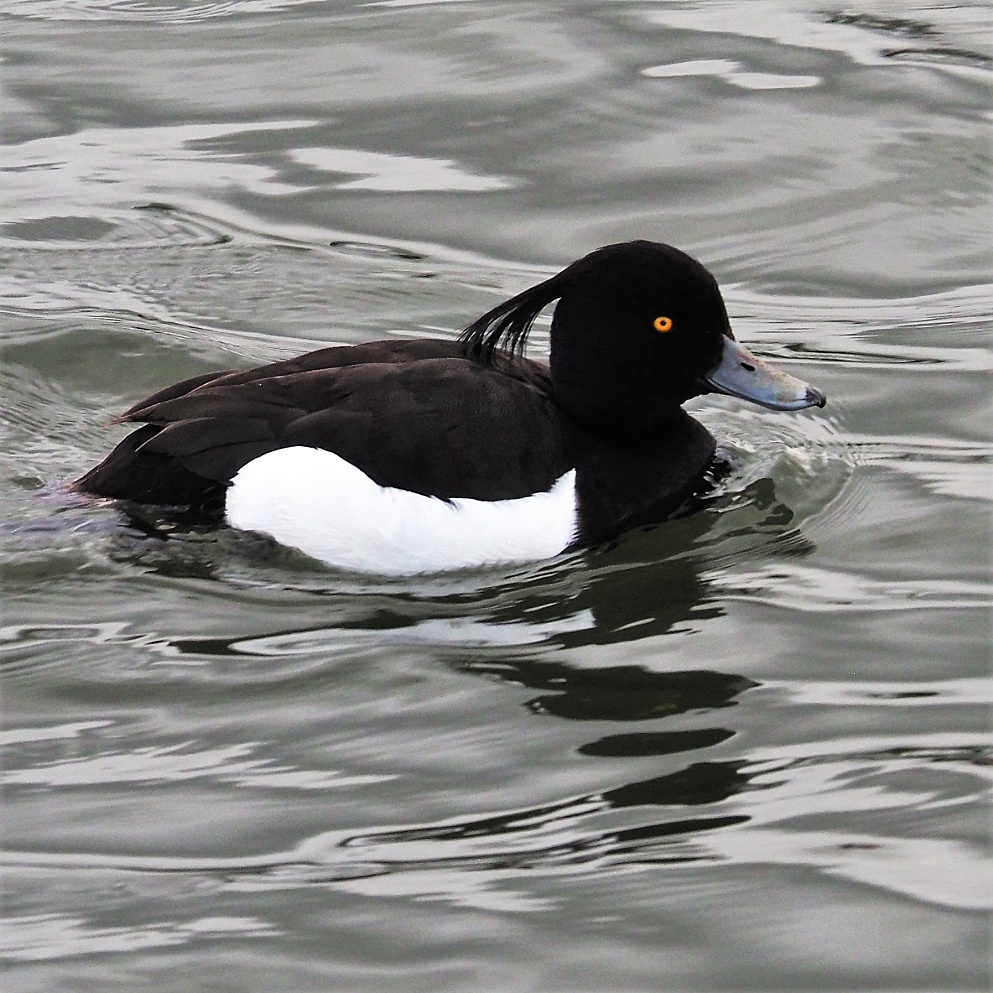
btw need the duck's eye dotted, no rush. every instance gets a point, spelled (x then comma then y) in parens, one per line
(662, 324)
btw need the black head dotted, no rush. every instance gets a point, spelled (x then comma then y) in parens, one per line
(636, 328)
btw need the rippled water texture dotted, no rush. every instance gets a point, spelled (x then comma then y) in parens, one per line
(747, 749)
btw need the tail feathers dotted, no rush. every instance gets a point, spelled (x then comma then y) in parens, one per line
(130, 473)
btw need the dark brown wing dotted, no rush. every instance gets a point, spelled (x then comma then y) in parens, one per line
(409, 414)
(332, 357)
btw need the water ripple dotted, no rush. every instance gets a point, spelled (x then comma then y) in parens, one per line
(478, 860)
(143, 226)
(977, 692)
(395, 173)
(70, 175)
(945, 466)
(161, 11)
(865, 38)
(176, 763)
(732, 72)
(127, 308)
(804, 319)
(43, 937)
(56, 732)
(821, 590)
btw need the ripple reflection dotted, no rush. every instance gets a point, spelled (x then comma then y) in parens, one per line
(752, 812)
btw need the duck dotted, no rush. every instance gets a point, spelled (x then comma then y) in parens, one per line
(401, 457)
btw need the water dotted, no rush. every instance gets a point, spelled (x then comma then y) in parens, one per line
(748, 749)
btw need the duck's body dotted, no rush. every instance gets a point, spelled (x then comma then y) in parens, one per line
(340, 451)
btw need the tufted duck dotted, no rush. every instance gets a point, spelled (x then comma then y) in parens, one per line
(412, 456)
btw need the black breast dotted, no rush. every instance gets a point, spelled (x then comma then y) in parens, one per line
(621, 487)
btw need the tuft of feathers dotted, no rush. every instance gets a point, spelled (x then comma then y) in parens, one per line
(505, 328)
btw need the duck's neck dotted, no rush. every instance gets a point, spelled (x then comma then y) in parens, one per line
(622, 405)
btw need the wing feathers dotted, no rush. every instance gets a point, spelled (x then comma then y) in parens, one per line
(411, 415)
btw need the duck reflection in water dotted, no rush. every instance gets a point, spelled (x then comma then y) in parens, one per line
(648, 586)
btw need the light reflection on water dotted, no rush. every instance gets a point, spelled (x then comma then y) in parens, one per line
(745, 749)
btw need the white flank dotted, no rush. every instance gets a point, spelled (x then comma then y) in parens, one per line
(317, 502)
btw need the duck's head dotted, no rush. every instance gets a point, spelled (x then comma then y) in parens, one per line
(638, 329)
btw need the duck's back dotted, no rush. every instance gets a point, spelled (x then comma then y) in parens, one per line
(412, 415)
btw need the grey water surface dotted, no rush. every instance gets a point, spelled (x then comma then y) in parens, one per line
(747, 749)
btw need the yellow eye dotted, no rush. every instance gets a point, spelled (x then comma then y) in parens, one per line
(662, 324)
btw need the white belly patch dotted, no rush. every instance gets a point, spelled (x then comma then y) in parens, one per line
(325, 507)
